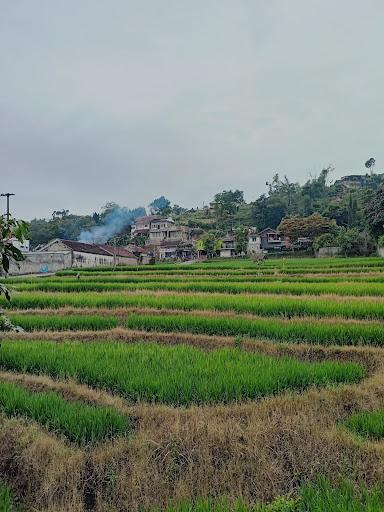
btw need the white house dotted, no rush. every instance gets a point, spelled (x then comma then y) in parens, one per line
(91, 255)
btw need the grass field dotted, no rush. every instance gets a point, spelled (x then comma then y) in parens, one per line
(222, 385)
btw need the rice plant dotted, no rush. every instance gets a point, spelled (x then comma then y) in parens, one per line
(79, 422)
(64, 322)
(367, 424)
(317, 496)
(6, 504)
(179, 375)
(295, 288)
(294, 330)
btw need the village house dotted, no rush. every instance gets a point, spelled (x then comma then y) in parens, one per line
(254, 242)
(181, 250)
(228, 249)
(144, 257)
(90, 255)
(165, 230)
(142, 225)
(271, 240)
(168, 240)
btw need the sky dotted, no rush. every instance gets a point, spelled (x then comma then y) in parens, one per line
(124, 101)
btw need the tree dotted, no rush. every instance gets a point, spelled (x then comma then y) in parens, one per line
(160, 206)
(311, 226)
(228, 202)
(209, 244)
(241, 239)
(350, 243)
(10, 230)
(374, 212)
(324, 240)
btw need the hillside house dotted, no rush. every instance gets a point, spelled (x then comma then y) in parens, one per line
(142, 225)
(228, 247)
(254, 242)
(181, 250)
(144, 257)
(271, 240)
(165, 230)
(90, 255)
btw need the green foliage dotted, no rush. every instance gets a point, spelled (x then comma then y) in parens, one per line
(6, 504)
(9, 230)
(263, 305)
(68, 227)
(81, 423)
(64, 323)
(354, 243)
(179, 375)
(367, 424)
(374, 211)
(311, 226)
(380, 241)
(209, 243)
(293, 330)
(160, 206)
(317, 496)
(228, 202)
(324, 240)
(241, 239)
(211, 286)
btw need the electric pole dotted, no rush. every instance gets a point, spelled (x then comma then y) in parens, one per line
(7, 195)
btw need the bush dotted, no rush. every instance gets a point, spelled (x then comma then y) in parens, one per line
(354, 243)
(324, 240)
(380, 241)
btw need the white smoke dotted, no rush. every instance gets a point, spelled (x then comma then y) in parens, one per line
(113, 223)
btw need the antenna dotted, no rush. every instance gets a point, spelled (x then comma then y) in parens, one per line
(7, 195)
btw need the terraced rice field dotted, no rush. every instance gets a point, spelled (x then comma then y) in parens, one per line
(210, 386)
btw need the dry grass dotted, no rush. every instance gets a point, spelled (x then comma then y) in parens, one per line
(255, 450)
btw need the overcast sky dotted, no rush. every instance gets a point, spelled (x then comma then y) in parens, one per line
(122, 100)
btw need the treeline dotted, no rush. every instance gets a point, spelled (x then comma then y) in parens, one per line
(349, 211)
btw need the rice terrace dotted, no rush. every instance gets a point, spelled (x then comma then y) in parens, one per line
(219, 385)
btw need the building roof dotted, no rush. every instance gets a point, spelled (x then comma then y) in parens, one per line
(136, 248)
(117, 251)
(100, 249)
(175, 243)
(146, 219)
(84, 247)
(268, 230)
(144, 231)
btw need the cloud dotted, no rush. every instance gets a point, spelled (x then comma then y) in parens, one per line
(126, 101)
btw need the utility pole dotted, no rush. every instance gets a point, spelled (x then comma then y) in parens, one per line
(7, 195)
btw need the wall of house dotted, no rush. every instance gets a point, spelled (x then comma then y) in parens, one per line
(326, 252)
(226, 253)
(86, 259)
(380, 251)
(125, 260)
(58, 246)
(42, 263)
(167, 252)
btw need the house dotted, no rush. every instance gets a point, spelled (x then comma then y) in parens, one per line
(168, 249)
(23, 247)
(165, 230)
(142, 225)
(254, 242)
(121, 255)
(90, 255)
(271, 240)
(228, 249)
(144, 257)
